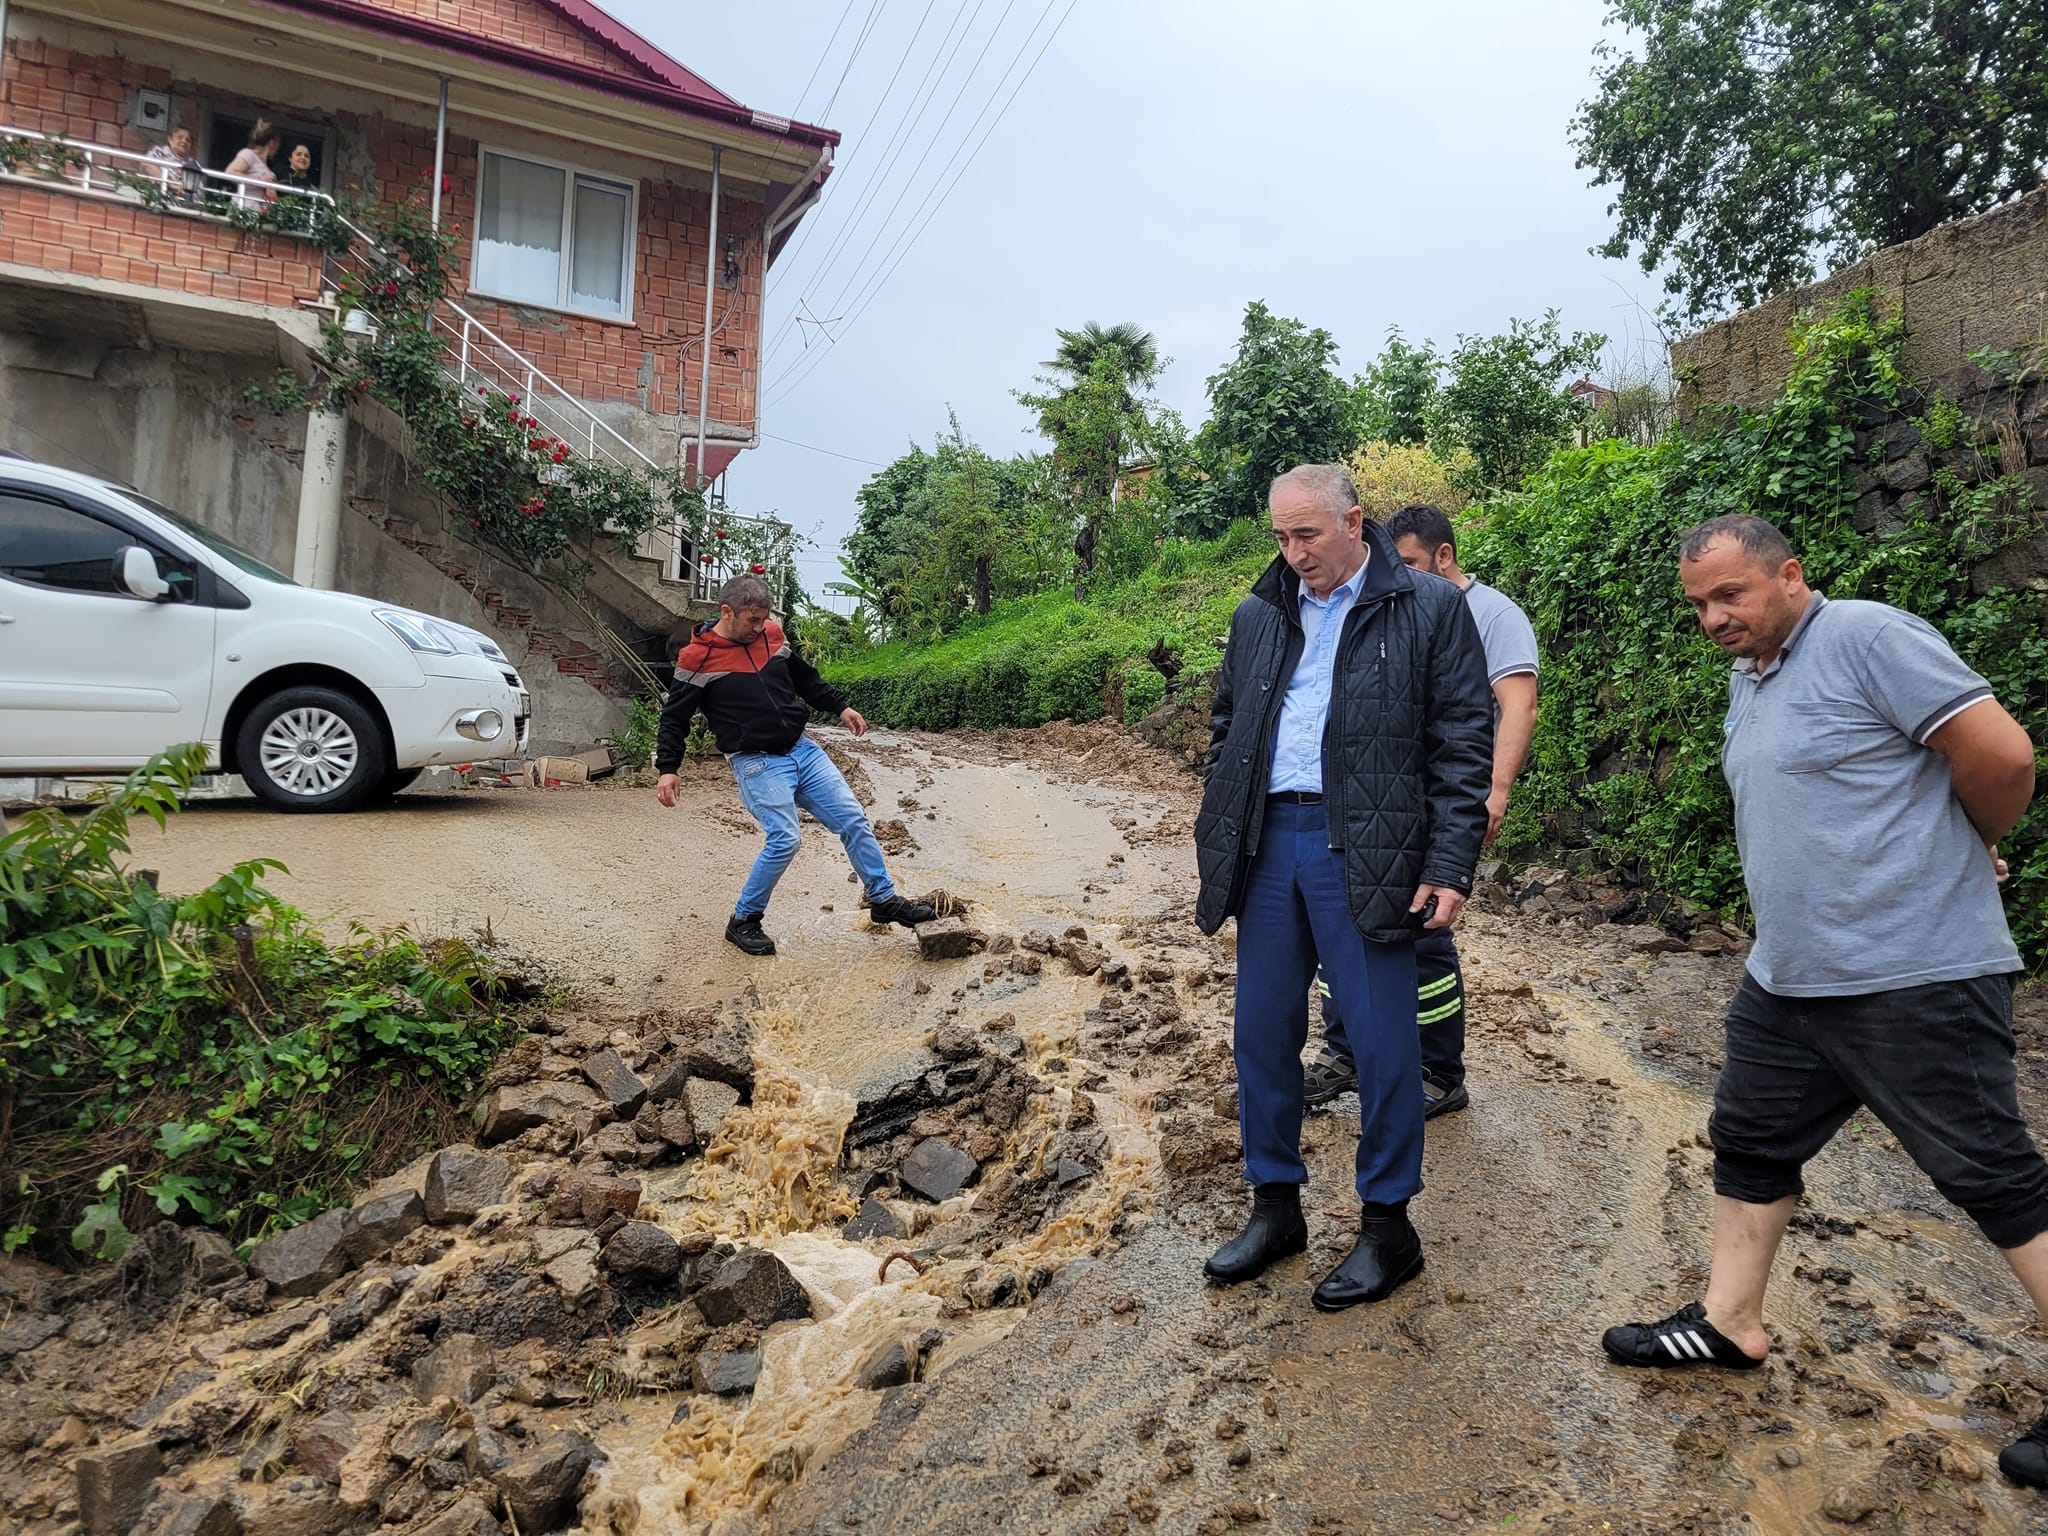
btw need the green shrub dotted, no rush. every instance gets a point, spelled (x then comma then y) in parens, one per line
(1626, 758)
(207, 1055)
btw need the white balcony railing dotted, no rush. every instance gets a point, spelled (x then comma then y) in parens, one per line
(121, 175)
(474, 356)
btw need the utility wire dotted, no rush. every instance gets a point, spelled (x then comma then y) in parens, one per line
(903, 248)
(829, 452)
(866, 29)
(797, 110)
(803, 234)
(901, 141)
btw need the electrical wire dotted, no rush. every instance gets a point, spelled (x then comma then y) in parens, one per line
(866, 30)
(829, 452)
(797, 110)
(840, 172)
(867, 296)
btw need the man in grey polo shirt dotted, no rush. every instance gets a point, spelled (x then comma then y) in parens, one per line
(1426, 542)
(1873, 774)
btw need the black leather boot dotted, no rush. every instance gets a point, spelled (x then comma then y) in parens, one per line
(1275, 1230)
(1386, 1256)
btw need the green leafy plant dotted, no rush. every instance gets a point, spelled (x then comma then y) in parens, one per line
(1626, 761)
(206, 1057)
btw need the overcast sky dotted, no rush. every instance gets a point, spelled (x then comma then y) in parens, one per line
(1357, 164)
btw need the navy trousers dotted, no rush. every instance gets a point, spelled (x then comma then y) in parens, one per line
(1440, 1005)
(1296, 914)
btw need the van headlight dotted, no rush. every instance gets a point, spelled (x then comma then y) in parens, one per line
(419, 634)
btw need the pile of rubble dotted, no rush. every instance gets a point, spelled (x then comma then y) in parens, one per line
(1653, 923)
(424, 1359)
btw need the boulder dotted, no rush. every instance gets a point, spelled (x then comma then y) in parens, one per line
(620, 1086)
(752, 1286)
(461, 1181)
(542, 1486)
(873, 1219)
(667, 1083)
(946, 938)
(725, 1371)
(469, 1516)
(505, 1112)
(955, 1042)
(298, 1506)
(460, 1366)
(620, 1143)
(938, 1170)
(321, 1445)
(364, 1303)
(115, 1483)
(376, 1224)
(640, 1253)
(591, 1198)
(212, 1510)
(890, 1366)
(726, 1057)
(305, 1259)
(671, 1122)
(709, 1102)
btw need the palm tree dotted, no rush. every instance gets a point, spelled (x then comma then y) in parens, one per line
(1136, 350)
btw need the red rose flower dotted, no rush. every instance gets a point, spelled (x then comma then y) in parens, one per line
(721, 532)
(758, 570)
(703, 559)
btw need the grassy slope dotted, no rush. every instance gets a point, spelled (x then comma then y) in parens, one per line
(1049, 657)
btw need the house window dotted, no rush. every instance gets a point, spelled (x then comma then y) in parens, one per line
(554, 236)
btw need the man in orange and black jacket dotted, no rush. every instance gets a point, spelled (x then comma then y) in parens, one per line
(758, 694)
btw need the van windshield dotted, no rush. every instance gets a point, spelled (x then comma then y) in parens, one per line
(240, 559)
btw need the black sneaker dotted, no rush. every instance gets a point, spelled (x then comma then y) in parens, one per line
(1329, 1075)
(1683, 1338)
(2025, 1461)
(1440, 1098)
(897, 909)
(744, 933)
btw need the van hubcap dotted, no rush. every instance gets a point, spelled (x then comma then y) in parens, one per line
(309, 752)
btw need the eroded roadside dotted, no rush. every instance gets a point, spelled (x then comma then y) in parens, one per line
(1057, 1364)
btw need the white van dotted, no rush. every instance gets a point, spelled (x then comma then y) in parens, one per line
(126, 629)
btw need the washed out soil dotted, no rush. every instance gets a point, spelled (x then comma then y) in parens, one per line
(1035, 1141)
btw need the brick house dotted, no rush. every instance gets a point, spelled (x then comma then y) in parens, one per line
(609, 202)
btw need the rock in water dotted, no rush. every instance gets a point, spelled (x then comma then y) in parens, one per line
(727, 1057)
(542, 1487)
(945, 938)
(642, 1254)
(874, 1219)
(890, 1366)
(938, 1170)
(610, 1076)
(755, 1286)
(305, 1259)
(725, 1371)
(709, 1102)
(461, 1181)
(1849, 1505)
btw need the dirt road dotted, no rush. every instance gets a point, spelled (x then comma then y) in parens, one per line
(1128, 1396)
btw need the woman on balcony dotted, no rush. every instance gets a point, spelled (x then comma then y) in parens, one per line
(183, 172)
(253, 162)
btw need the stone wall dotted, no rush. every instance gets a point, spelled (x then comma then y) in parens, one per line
(1978, 285)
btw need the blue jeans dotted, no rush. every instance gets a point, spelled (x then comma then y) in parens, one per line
(1296, 913)
(773, 787)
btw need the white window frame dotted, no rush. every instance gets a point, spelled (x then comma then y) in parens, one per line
(569, 179)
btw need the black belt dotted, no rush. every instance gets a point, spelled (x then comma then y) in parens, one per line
(1296, 797)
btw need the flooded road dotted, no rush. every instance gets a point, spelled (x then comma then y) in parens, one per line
(1127, 1395)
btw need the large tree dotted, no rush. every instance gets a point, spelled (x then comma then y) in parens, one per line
(1506, 400)
(1136, 352)
(1276, 404)
(1751, 141)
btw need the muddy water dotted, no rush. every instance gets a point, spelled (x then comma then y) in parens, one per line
(1129, 1396)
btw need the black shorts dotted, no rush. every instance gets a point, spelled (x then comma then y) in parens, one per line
(1933, 1063)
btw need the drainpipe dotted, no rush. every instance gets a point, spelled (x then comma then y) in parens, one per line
(440, 145)
(710, 299)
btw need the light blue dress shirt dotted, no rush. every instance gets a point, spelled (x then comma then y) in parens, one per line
(1298, 741)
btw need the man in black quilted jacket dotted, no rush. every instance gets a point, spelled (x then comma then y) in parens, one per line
(1343, 813)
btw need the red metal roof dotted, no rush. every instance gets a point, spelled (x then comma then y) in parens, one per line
(673, 87)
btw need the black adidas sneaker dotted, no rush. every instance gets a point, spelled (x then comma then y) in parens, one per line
(1683, 1338)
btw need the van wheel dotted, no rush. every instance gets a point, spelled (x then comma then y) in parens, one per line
(311, 749)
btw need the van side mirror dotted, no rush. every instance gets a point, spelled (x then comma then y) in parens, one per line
(135, 568)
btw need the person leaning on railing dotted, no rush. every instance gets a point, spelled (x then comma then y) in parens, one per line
(182, 175)
(252, 162)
